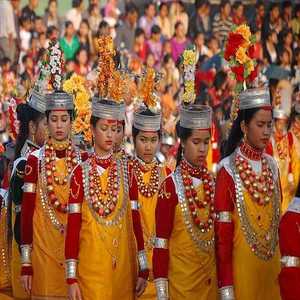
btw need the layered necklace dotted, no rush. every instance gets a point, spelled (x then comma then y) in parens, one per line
(103, 199)
(260, 187)
(196, 204)
(150, 189)
(52, 175)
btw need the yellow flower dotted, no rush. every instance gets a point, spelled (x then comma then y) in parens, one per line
(189, 57)
(244, 30)
(250, 66)
(241, 56)
(189, 92)
(68, 86)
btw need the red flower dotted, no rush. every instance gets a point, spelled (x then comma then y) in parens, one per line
(251, 51)
(235, 40)
(253, 74)
(239, 72)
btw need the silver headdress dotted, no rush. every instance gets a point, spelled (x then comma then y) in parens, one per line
(196, 116)
(279, 113)
(254, 98)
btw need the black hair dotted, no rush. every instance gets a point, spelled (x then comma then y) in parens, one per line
(139, 31)
(5, 60)
(25, 114)
(24, 58)
(220, 78)
(136, 131)
(237, 4)
(155, 29)
(286, 4)
(236, 134)
(76, 3)
(177, 24)
(296, 9)
(50, 30)
(183, 134)
(68, 23)
(130, 8)
(224, 3)
(162, 5)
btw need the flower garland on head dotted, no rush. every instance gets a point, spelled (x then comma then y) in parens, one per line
(189, 68)
(13, 120)
(44, 67)
(56, 64)
(106, 65)
(239, 52)
(76, 87)
(147, 87)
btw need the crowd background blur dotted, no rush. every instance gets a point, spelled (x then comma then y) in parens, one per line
(149, 34)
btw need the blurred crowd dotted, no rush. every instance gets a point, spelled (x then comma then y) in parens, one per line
(154, 34)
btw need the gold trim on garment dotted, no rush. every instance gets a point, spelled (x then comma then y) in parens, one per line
(226, 293)
(162, 288)
(74, 208)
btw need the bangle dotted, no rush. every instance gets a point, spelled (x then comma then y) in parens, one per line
(224, 217)
(134, 204)
(162, 288)
(74, 208)
(161, 243)
(29, 187)
(226, 293)
(142, 258)
(26, 255)
(71, 268)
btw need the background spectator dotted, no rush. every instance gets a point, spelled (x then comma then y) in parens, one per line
(74, 15)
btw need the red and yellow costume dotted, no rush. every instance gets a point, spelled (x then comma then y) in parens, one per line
(43, 217)
(184, 244)
(144, 182)
(213, 156)
(16, 195)
(247, 203)
(289, 241)
(282, 148)
(103, 232)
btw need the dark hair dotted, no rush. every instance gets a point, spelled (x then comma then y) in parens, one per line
(286, 4)
(220, 78)
(136, 131)
(155, 29)
(68, 23)
(50, 30)
(224, 3)
(76, 3)
(183, 134)
(162, 5)
(25, 114)
(177, 24)
(139, 31)
(237, 4)
(296, 9)
(24, 58)
(94, 120)
(236, 134)
(130, 8)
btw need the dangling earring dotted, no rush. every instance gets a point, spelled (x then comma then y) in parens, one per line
(245, 138)
(33, 138)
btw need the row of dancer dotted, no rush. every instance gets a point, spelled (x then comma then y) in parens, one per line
(107, 226)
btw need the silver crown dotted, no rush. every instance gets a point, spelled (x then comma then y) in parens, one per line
(59, 100)
(37, 101)
(195, 116)
(146, 123)
(108, 111)
(254, 98)
(167, 139)
(279, 113)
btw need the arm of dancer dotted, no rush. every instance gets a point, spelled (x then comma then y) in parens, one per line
(224, 231)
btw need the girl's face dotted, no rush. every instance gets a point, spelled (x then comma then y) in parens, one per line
(82, 57)
(146, 145)
(53, 8)
(164, 11)
(150, 62)
(281, 125)
(59, 125)
(195, 148)
(259, 130)
(104, 135)
(179, 31)
(83, 29)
